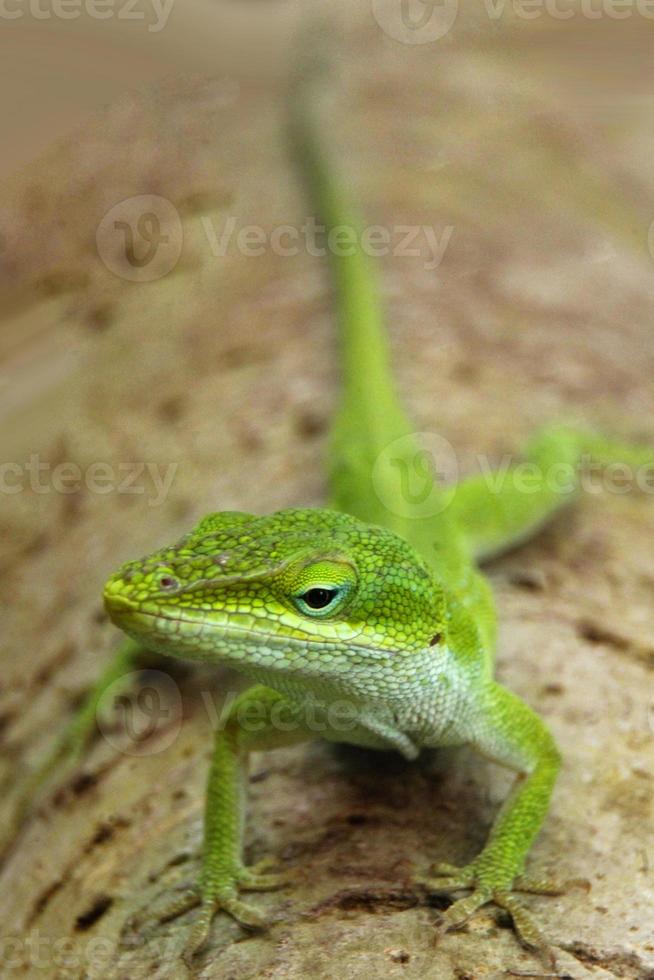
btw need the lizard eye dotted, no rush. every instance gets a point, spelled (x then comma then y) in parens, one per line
(322, 588)
(319, 598)
(167, 583)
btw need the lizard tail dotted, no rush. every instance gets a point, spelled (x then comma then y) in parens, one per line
(483, 515)
(370, 417)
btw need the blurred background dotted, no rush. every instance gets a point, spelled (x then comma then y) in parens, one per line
(167, 348)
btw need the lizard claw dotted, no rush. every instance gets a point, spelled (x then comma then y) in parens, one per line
(526, 929)
(256, 879)
(459, 912)
(223, 896)
(539, 886)
(449, 878)
(178, 903)
(187, 899)
(228, 901)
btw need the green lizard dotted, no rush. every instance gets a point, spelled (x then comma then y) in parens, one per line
(364, 605)
(374, 606)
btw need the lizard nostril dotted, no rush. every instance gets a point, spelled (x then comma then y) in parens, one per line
(167, 582)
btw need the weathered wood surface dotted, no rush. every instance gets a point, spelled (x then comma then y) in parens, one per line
(542, 306)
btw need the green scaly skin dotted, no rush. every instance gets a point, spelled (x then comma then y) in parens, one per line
(400, 655)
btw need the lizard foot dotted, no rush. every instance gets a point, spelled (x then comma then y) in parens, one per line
(490, 887)
(220, 894)
(225, 896)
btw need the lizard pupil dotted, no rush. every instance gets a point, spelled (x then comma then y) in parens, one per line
(318, 598)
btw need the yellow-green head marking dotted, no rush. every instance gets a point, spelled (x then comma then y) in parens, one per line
(310, 592)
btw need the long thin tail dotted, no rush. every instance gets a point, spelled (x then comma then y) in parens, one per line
(374, 453)
(370, 418)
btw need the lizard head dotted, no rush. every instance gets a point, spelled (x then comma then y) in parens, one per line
(298, 591)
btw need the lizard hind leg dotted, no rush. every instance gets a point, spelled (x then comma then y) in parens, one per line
(500, 509)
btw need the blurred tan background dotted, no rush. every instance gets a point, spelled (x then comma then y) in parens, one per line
(524, 143)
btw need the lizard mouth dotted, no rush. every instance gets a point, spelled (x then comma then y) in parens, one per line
(115, 603)
(172, 634)
(127, 614)
(220, 640)
(160, 627)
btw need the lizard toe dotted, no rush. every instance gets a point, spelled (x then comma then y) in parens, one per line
(525, 927)
(258, 877)
(459, 912)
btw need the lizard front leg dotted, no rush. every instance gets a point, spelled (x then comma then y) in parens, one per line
(505, 730)
(259, 719)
